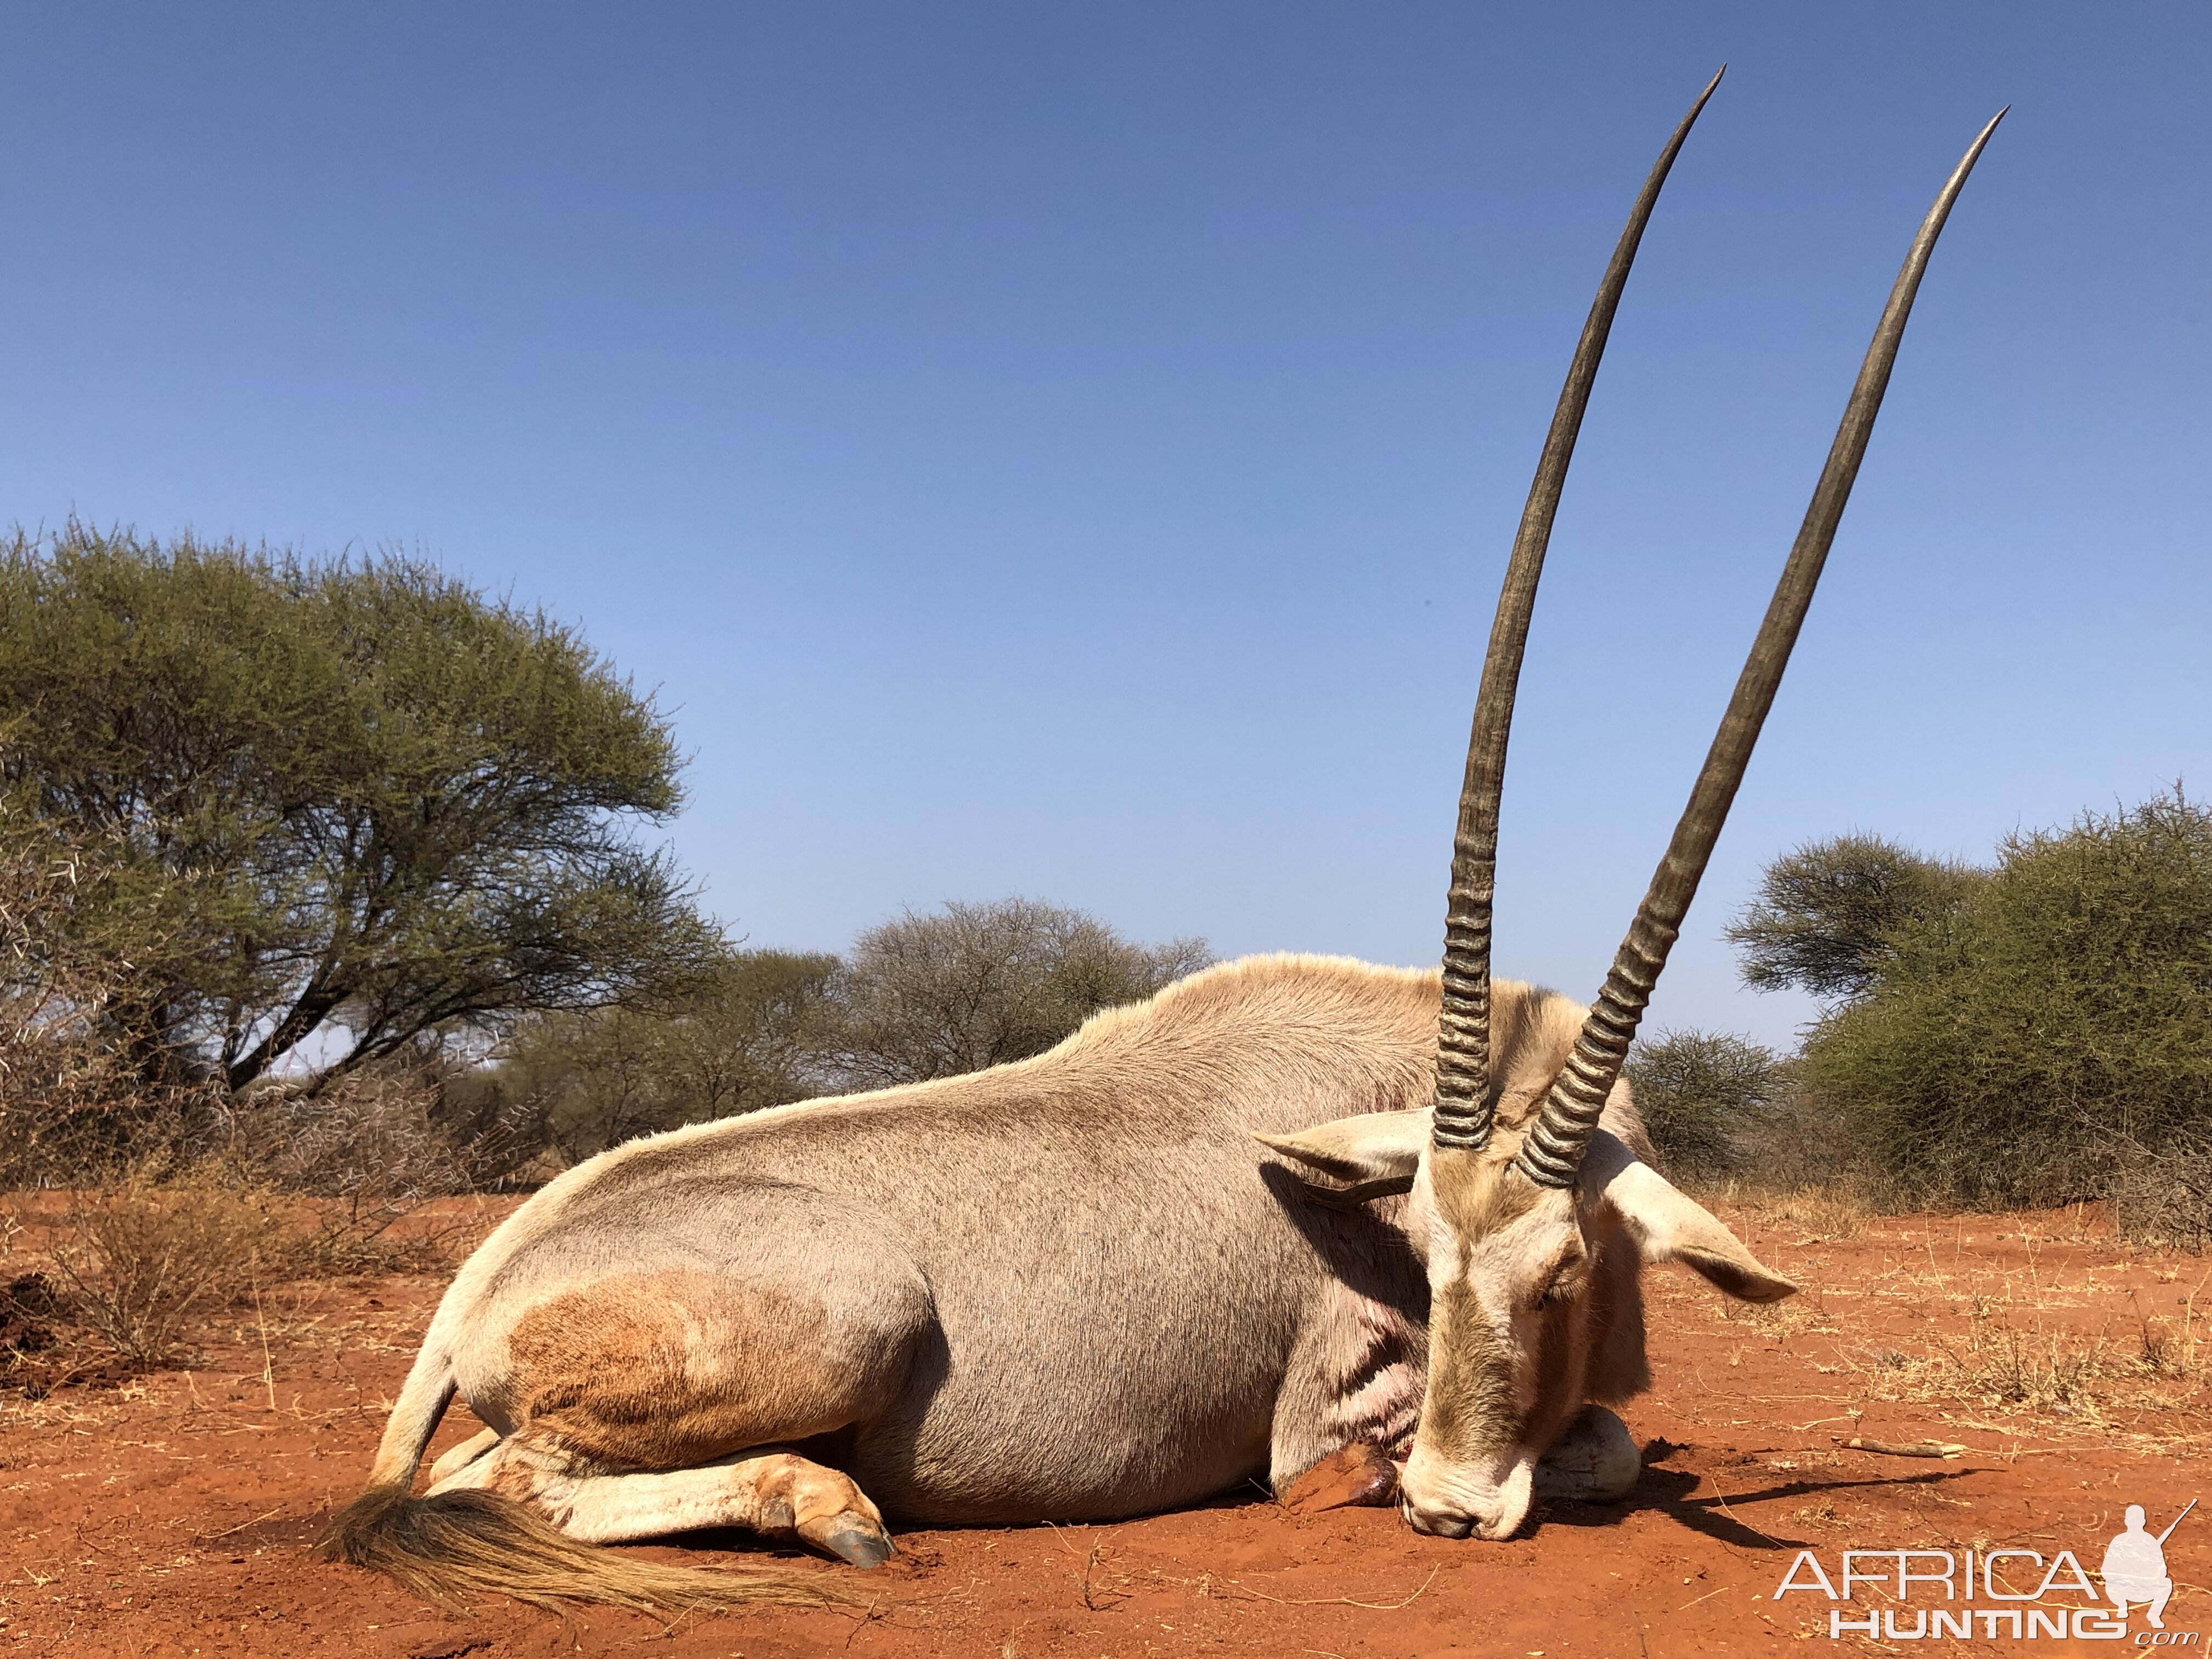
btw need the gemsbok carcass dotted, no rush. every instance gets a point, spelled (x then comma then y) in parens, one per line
(1077, 1287)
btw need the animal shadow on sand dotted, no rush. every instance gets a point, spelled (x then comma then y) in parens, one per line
(1668, 1491)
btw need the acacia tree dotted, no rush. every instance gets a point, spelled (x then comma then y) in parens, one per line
(1828, 914)
(752, 1032)
(977, 984)
(354, 802)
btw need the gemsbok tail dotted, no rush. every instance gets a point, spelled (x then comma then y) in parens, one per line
(475, 1542)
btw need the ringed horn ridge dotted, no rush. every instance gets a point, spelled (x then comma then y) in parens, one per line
(1462, 1102)
(1553, 1149)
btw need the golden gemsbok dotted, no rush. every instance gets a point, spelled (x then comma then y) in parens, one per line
(1280, 1213)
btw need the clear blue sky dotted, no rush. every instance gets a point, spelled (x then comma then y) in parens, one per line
(1071, 450)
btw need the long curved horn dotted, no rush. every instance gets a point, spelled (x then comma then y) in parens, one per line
(1553, 1151)
(1463, 1106)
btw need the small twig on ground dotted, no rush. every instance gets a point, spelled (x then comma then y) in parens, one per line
(1088, 1565)
(91, 1543)
(261, 1324)
(1392, 1607)
(668, 1630)
(1722, 1495)
(1339, 1601)
(863, 1623)
(243, 1525)
(1916, 1449)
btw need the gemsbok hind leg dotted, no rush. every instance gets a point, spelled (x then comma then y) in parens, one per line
(452, 1461)
(666, 1398)
(777, 1494)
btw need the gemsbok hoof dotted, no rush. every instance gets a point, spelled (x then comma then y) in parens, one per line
(1355, 1477)
(860, 1544)
(1594, 1461)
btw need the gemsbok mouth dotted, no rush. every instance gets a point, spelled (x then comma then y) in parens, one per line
(1458, 1507)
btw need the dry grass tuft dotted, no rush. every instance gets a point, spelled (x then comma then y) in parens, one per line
(123, 1275)
(1789, 1317)
(2046, 1365)
(135, 1262)
(1822, 1215)
(2040, 1368)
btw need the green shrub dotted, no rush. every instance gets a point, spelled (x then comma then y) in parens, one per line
(1702, 1094)
(752, 1033)
(1826, 915)
(2051, 1035)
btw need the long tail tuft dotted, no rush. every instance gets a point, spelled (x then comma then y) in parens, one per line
(455, 1543)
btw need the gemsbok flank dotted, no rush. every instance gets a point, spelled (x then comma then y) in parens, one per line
(1075, 1287)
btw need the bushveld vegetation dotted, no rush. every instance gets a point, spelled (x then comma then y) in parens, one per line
(2033, 1033)
(2047, 1038)
(321, 892)
(919, 996)
(1826, 915)
(354, 789)
(1707, 1099)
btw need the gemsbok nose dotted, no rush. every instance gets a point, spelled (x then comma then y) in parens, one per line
(1492, 1504)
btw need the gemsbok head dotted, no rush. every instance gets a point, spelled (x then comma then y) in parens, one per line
(1530, 1212)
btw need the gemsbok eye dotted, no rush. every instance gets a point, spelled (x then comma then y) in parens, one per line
(1565, 1281)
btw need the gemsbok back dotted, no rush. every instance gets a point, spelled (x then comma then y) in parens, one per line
(1292, 1210)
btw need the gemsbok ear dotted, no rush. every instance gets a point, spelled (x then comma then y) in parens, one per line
(1669, 1225)
(1356, 1158)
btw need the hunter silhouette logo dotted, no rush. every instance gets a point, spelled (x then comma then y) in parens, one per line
(2135, 1566)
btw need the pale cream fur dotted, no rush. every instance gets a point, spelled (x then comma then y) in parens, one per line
(1069, 1288)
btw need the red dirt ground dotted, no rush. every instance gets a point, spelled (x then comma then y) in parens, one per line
(171, 1515)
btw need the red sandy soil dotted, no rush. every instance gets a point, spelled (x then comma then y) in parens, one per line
(171, 1514)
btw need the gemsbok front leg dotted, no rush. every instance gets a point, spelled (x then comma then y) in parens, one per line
(1353, 1390)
